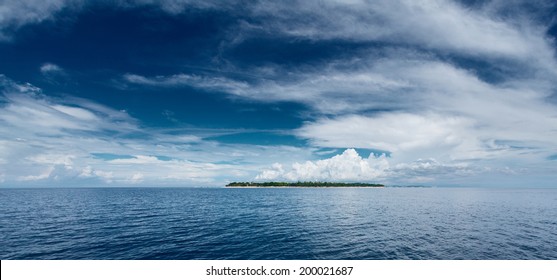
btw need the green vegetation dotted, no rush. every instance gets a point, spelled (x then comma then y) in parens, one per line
(301, 184)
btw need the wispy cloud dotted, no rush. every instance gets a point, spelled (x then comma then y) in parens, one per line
(209, 83)
(437, 24)
(31, 110)
(45, 140)
(17, 13)
(54, 74)
(49, 68)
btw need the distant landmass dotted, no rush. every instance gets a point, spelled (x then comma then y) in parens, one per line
(302, 184)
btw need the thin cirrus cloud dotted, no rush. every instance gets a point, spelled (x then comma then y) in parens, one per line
(53, 73)
(15, 14)
(444, 25)
(50, 68)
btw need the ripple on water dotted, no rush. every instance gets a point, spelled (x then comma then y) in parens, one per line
(278, 223)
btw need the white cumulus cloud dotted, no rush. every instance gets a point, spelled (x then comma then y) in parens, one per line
(351, 167)
(348, 166)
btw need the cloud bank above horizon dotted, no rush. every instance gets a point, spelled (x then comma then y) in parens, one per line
(436, 92)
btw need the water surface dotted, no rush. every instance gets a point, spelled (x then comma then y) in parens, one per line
(286, 223)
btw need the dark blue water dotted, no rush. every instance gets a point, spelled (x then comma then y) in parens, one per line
(294, 223)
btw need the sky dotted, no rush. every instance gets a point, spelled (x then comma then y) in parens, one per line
(202, 93)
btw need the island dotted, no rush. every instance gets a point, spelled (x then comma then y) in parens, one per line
(304, 184)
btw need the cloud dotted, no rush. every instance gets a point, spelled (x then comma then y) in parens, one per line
(207, 83)
(27, 110)
(7, 84)
(73, 141)
(175, 7)
(43, 175)
(49, 68)
(24, 111)
(54, 74)
(350, 166)
(395, 132)
(330, 88)
(397, 79)
(53, 159)
(412, 136)
(16, 13)
(438, 25)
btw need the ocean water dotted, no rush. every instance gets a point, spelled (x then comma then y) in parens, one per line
(288, 223)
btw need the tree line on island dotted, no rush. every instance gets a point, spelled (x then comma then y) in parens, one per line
(301, 184)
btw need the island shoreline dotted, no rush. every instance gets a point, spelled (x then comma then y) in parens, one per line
(302, 185)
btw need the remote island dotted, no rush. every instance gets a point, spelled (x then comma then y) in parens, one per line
(304, 184)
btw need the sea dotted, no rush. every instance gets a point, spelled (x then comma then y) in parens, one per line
(275, 224)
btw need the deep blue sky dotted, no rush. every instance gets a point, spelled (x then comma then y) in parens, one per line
(452, 93)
